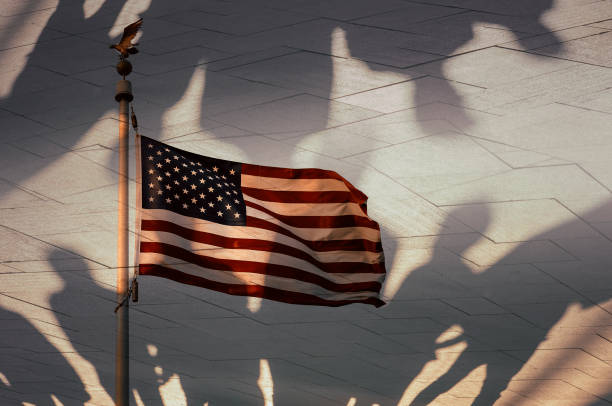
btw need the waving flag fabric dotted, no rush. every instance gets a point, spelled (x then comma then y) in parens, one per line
(292, 235)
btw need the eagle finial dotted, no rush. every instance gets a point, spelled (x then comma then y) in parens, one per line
(125, 46)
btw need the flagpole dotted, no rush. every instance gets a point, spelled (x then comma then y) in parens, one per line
(122, 351)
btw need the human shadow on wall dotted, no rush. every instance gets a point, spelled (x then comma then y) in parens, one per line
(454, 32)
(31, 368)
(87, 302)
(506, 311)
(198, 65)
(501, 329)
(49, 109)
(319, 120)
(165, 369)
(283, 83)
(514, 306)
(500, 315)
(87, 318)
(59, 55)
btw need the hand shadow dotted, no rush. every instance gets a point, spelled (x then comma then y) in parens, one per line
(438, 41)
(32, 118)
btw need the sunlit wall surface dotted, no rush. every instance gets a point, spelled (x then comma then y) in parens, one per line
(480, 130)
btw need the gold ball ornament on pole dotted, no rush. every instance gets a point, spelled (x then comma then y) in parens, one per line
(124, 67)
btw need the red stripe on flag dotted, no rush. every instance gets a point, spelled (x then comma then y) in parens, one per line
(318, 221)
(236, 266)
(320, 245)
(288, 173)
(249, 290)
(260, 245)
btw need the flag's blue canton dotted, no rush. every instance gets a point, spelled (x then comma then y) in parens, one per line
(190, 184)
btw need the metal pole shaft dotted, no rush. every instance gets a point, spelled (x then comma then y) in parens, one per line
(122, 352)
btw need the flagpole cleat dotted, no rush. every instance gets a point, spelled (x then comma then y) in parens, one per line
(124, 91)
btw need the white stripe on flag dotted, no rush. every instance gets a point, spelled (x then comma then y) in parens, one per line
(303, 185)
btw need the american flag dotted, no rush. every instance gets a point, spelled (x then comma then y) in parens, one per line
(292, 235)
